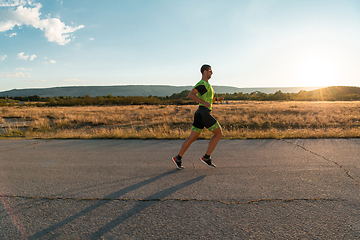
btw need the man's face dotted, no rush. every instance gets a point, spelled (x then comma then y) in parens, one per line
(209, 72)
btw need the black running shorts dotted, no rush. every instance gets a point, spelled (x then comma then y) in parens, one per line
(202, 118)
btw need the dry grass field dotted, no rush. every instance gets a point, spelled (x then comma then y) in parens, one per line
(239, 120)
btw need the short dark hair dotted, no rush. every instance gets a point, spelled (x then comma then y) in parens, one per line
(204, 68)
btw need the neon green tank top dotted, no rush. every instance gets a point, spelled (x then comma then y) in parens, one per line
(205, 92)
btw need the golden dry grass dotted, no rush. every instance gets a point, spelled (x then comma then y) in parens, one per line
(239, 120)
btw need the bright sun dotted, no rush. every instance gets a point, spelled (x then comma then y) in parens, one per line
(317, 64)
(317, 71)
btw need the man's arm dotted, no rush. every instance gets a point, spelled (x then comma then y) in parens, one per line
(192, 96)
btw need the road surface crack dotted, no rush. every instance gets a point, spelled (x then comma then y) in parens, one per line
(347, 172)
(178, 199)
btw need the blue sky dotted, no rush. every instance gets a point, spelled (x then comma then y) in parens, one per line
(248, 43)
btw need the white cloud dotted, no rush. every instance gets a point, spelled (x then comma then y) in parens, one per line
(20, 69)
(15, 75)
(54, 29)
(52, 61)
(12, 3)
(22, 56)
(25, 57)
(3, 57)
(91, 39)
(13, 34)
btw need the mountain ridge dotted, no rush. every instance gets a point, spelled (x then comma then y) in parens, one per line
(136, 90)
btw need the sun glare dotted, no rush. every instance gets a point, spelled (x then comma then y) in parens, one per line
(318, 64)
(317, 71)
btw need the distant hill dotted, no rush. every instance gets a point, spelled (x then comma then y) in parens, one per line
(336, 93)
(337, 90)
(136, 90)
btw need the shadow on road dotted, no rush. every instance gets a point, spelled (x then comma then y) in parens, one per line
(141, 206)
(138, 208)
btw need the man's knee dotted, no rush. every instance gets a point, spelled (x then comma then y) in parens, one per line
(218, 132)
(193, 136)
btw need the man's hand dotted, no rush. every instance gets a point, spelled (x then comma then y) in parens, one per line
(206, 104)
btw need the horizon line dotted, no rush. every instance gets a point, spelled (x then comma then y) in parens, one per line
(159, 85)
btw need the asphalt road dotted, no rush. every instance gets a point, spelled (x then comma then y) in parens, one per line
(130, 189)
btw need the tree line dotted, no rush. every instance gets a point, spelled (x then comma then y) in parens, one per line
(87, 100)
(324, 94)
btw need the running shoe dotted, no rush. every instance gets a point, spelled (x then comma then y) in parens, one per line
(177, 163)
(207, 161)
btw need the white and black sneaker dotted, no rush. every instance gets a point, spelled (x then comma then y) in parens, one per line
(177, 163)
(207, 162)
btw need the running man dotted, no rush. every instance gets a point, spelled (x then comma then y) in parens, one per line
(203, 94)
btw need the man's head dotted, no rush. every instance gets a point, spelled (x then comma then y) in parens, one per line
(206, 71)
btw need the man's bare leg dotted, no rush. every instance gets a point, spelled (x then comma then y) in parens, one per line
(193, 136)
(214, 140)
